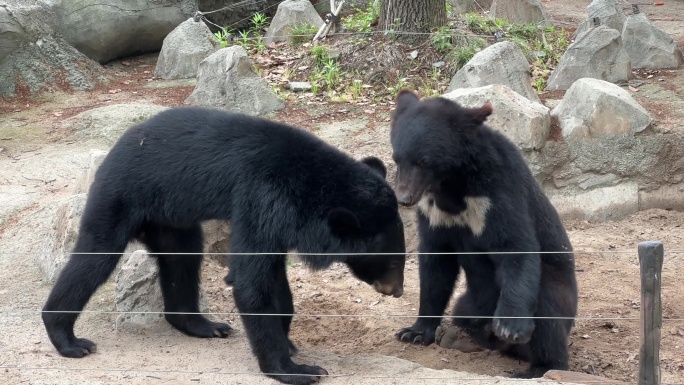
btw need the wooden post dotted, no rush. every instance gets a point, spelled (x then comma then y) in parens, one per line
(651, 266)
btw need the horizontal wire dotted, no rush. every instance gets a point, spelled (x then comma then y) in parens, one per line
(376, 377)
(351, 254)
(322, 315)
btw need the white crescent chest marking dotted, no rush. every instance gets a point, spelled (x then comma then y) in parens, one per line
(474, 216)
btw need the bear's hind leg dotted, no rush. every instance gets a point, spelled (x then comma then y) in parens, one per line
(80, 278)
(179, 276)
(548, 346)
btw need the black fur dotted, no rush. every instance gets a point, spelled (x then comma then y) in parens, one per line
(445, 150)
(281, 187)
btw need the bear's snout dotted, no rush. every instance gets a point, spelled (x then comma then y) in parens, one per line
(395, 290)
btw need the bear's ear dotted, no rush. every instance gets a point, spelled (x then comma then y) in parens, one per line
(479, 115)
(405, 99)
(376, 164)
(344, 223)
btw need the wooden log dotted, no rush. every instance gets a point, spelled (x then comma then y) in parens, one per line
(580, 378)
(651, 266)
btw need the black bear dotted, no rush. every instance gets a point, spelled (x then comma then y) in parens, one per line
(282, 189)
(475, 194)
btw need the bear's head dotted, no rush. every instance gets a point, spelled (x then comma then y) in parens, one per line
(431, 139)
(379, 255)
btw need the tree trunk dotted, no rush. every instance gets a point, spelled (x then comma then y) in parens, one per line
(412, 15)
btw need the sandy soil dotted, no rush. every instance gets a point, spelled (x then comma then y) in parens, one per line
(40, 164)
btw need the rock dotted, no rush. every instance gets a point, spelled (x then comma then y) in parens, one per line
(12, 35)
(500, 63)
(217, 240)
(33, 56)
(183, 50)
(597, 109)
(668, 197)
(597, 54)
(525, 122)
(299, 86)
(58, 245)
(609, 13)
(48, 64)
(464, 6)
(227, 80)
(88, 175)
(105, 31)
(600, 204)
(519, 11)
(291, 13)
(648, 46)
(138, 290)
(106, 124)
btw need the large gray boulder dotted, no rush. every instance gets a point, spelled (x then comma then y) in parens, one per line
(183, 50)
(500, 63)
(291, 13)
(609, 13)
(519, 11)
(109, 30)
(47, 64)
(597, 109)
(34, 57)
(227, 79)
(598, 54)
(525, 122)
(12, 34)
(649, 46)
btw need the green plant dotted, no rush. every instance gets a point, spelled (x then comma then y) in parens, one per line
(221, 37)
(441, 39)
(244, 40)
(331, 74)
(540, 84)
(259, 45)
(301, 33)
(398, 86)
(316, 76)
(356, 88)
(259, 21)
(288, 74)
(465, 50)
(484, 25)
(361, 20)
(543, 46)
(320, 54)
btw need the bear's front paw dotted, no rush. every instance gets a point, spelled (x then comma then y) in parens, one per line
(419, 333)
(298, 374)
(513, 330)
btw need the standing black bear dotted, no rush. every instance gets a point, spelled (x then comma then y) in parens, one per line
(281, 187)
(475, 193)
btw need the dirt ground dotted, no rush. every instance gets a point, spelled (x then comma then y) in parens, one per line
(39, 164)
